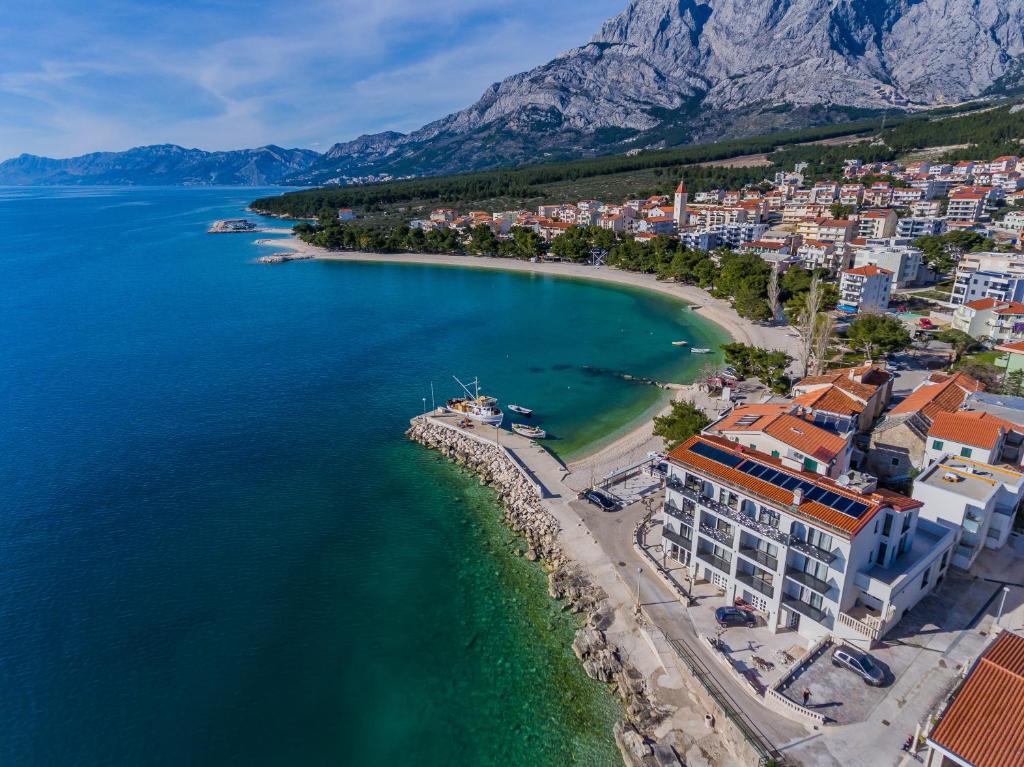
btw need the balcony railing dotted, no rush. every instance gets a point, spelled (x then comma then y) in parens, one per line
(676, 538)
(869, 627)
(761, 557)
(822, 555)
(675, 512)
(718, 534)
(808, 580)
(757, 584)
(733, 515)
(715, 561)
(804, 608)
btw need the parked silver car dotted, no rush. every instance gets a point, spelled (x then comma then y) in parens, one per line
(861, 664)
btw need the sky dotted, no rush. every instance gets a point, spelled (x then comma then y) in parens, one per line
(79, 76)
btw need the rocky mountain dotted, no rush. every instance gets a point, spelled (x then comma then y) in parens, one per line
(161, 164)
(666, 72)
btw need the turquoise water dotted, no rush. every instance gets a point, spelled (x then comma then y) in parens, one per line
(217, 547)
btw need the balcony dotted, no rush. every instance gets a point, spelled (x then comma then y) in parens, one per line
(762, 529)
(758, 584)
(759, 556)
(721, 535)
(812, 551)
(676, 538)
(804, 608)
(675, 512)
(808, 580)
(724, 565)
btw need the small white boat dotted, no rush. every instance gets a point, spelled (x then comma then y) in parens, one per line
(521, 410)
(531, 432)
(476, 406)
(680, 343)
(700, 351)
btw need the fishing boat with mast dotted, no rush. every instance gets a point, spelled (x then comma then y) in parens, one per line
(474, 405)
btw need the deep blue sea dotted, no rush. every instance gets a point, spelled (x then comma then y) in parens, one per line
(216, 548)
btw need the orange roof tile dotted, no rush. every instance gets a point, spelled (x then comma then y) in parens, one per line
(777, 422)
(982, 304)
(1011, 307)
(984, 725)
(930, 399)
(969, 428)
(1017, 347)
(830, 400)
(836, 520)
(867, 271)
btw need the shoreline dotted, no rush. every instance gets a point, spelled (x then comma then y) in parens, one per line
(636, 442)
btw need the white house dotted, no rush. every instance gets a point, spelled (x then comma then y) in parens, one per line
(865, 289)
(818, 556)
(893, 254)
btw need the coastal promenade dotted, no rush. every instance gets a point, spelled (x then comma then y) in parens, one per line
(602, 544)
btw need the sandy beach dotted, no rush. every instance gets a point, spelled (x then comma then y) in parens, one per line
(635, 444)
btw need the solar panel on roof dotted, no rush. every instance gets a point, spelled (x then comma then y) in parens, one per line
(716, 454)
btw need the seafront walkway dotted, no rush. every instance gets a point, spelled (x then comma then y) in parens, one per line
(602, 543)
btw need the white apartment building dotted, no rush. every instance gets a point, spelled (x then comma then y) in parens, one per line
(989, 275)
(966, 205)
(988, 319)
(913, 227)
(975, 500)
(877, 224)
(865, 289)
(821, 557)
(894, 254)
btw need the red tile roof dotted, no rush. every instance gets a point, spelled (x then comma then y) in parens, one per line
(867, 271)
(1017, 347)
(969, 428)
(946, 396)
(825, 515)
(984, 725)
(830, 400)
(1012, 307)
(982, 304)
(776, 422)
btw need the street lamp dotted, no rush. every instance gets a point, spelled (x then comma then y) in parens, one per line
(1002, 604)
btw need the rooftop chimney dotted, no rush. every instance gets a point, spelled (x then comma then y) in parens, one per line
(798, 496)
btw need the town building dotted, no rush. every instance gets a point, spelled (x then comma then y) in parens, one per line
(977, 435)
(818, 556)
(989, 275)
(987, 319)
(983, 724)
(845, 399)
(893, 254)
(796, 441)
(913, 227)
(865, 289)
(877, 224)
(897, 443)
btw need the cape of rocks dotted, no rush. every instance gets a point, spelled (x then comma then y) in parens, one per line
(567, 582)
(667, 72)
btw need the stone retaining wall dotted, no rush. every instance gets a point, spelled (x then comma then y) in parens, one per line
(526, 515)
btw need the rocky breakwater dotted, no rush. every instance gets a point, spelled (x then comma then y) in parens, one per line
(568, 582)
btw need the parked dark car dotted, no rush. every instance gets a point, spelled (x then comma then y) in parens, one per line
(860, 663)
(602, 501)
(734, 616)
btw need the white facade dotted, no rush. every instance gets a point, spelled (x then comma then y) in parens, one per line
(865, 289)
(974, 499)
(894, 254)
(797, 570)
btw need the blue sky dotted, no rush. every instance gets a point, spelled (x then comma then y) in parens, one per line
(86, 75)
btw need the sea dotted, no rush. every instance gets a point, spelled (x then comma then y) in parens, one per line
(216, 545)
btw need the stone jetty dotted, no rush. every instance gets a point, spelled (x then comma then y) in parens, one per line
(568, 582)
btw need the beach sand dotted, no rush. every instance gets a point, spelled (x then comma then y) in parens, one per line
(635, 444)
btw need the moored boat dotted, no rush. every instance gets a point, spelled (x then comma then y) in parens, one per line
(475, 406)
(531, 432)
(700, 351)
(521, 410)
(680, 343)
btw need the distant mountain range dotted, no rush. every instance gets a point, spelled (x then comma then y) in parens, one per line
(162, 164)
(661, 73)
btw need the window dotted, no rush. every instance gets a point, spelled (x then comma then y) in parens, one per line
(945, 559)
(965, 452)
(937, 444)
(880, 555)
(775, 453)
(768, 517)
(887, 524)
(924, 578)
(895, 461)
(819, 539)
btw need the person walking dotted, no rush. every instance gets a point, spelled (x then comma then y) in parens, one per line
(807, 696)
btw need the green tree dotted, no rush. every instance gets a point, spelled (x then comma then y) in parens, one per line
(878, 334)
(959, 340)
(1013, 384)
(685, 420)
(838, 210)
(572, 245)
(768, 366)
(483, 241)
